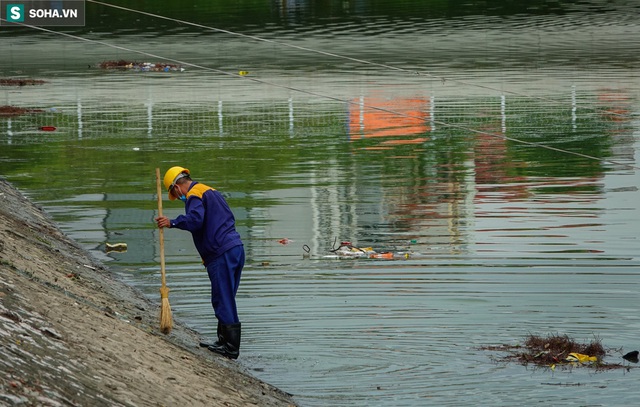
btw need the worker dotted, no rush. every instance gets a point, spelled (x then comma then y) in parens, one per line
(212, 225)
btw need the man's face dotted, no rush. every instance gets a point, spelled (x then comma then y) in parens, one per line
(176, 191)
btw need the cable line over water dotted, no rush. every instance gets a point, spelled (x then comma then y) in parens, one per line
(316, 94)
(326, 53)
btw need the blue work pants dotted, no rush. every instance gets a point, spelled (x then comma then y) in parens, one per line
(224, 274)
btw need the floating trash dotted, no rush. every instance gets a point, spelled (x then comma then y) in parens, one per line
(123, 65)
(631, 356)
(347, 250)
(556, 351)
(384, 255)
(575, 357)
(20, 82)
(115, 247)
(17, 111)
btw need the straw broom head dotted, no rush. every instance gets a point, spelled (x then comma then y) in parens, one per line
(166, 322)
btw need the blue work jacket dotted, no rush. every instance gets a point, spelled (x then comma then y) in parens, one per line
(210, 221)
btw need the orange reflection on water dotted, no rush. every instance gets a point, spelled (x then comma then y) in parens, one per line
(390, 118)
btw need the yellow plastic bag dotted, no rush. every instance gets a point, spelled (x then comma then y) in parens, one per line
(579, 357)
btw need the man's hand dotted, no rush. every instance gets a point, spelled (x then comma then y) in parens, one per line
(163, 222)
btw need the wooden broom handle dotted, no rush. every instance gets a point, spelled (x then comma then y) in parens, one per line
(162, 266)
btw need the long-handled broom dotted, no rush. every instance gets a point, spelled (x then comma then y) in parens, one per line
(166, 322)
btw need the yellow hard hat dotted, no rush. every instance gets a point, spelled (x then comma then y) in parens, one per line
(171, 176)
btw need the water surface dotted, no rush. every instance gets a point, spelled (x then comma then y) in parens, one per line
(408, 138)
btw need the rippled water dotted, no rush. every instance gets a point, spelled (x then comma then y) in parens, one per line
(407, 139)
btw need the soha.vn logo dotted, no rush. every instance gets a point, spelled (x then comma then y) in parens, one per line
(43, 13)
(15, 13)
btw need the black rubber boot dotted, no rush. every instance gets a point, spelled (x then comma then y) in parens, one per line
(229, 341)
(218, 341)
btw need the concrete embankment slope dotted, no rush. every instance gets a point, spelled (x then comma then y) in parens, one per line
(71, 334)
